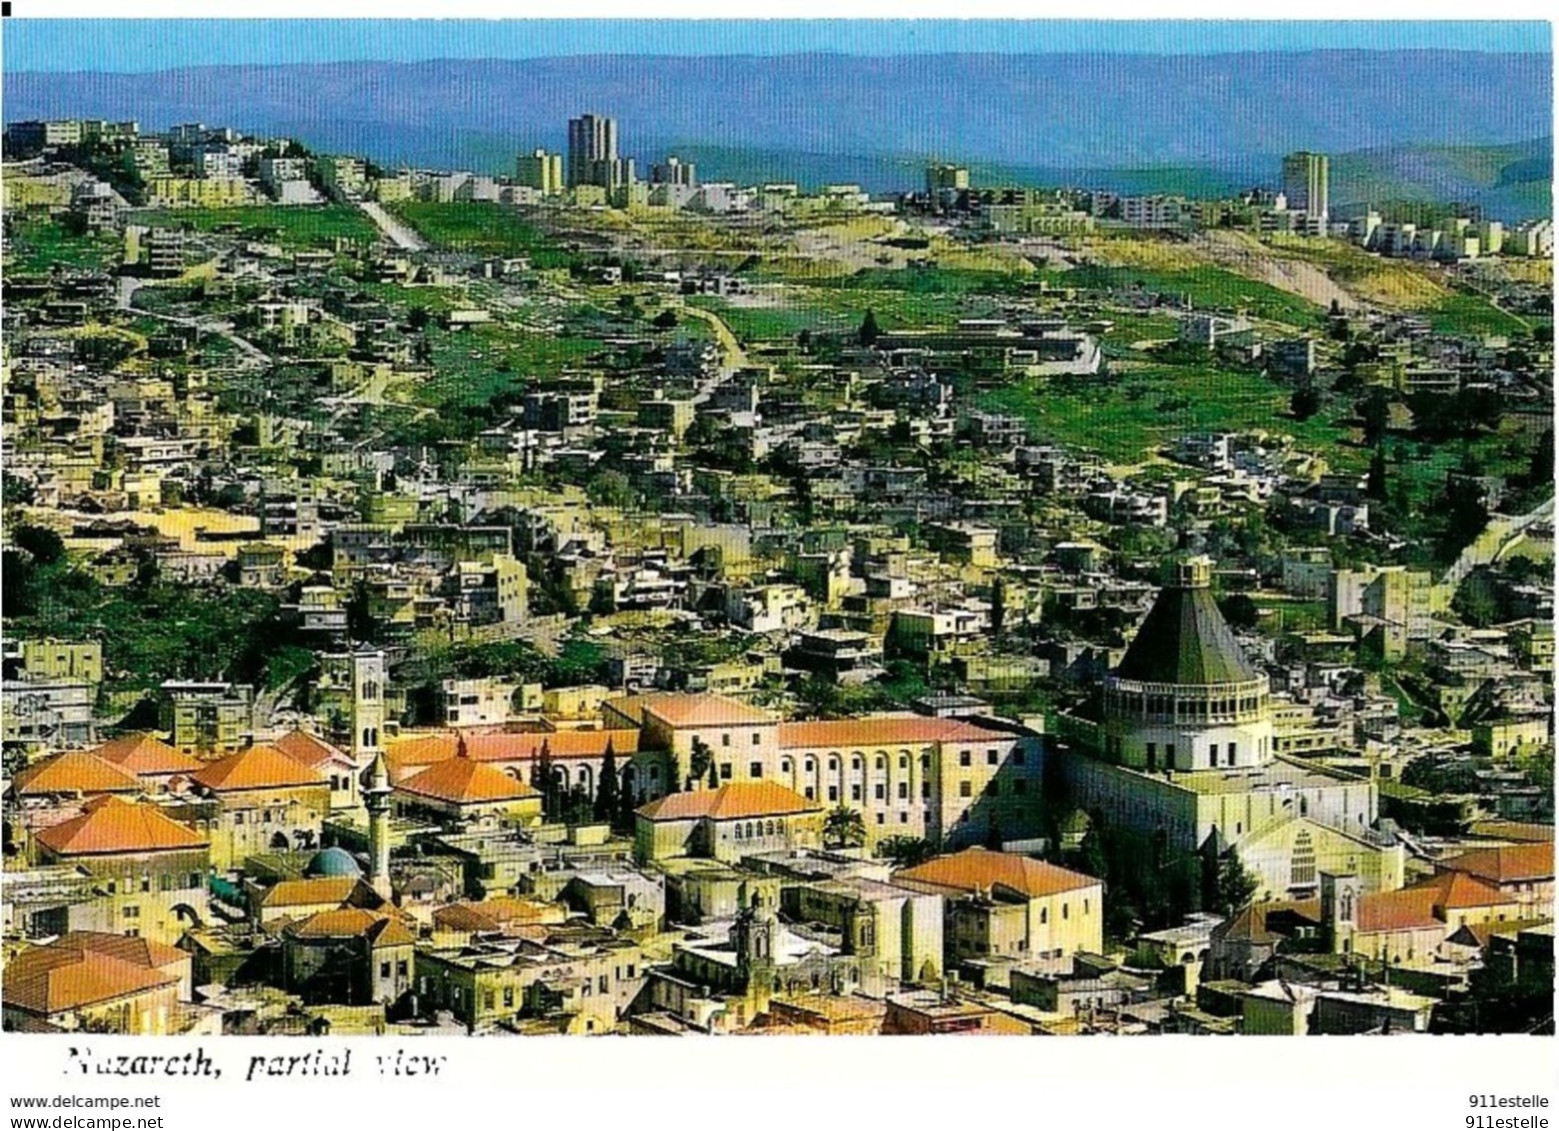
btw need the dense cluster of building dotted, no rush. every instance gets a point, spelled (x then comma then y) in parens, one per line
(860, 741)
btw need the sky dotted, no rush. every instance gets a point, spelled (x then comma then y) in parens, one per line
(155, 44)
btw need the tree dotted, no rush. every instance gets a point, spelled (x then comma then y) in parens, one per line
(665, 320)
(844, 827)
(1092, 857)
(1235, 884)
(1240, 610)
(1375, 485)
(624, 817)
(609, 488)
(906, 851)
(1305, 402)
(998, 606)
(714, 776)
(1541, 473)
(869, 332)
(701, 760)
(606, 790)
(45, 546)
(542, 781)
(1374, 413)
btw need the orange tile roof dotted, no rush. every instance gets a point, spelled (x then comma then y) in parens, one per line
(112, 826)
(980, 869)
(702, 710)
(45, 980)
(1405, 910)
(883, 730)
(354, 923)
(75, 771)
(259, 767)
(506, 746)
(729, 802)
(309, 749)
(315, 889)
(1508, 864)
(141, 952)
(494, 914)
(465, 782)
(1455, 890)
(145, 753)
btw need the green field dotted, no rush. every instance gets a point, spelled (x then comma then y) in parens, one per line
(509, 359)
(37, 244)
(1472, 315)
(1126, 418)
(1206, 288)
(298, 227)
(484, 228)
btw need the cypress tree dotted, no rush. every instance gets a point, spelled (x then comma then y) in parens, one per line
(606, 790)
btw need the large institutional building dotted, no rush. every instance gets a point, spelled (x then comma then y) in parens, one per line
(952, 780)
(1182, 750)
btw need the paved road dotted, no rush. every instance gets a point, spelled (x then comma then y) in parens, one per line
(1498, 536)
(399, 234)
(127, 289)
(735, 356)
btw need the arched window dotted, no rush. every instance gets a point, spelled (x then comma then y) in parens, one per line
(1301, 869)
(1044, 914)
(771, 828)
(738, 832)
(1066, 911)
(903, 759)
(882, 763)
(810, 765)
(833, 764)
(787, 766)
(855, 763)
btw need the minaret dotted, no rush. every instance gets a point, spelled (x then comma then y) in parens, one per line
(376, 797)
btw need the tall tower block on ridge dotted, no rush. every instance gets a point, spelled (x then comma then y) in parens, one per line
(1306, 183)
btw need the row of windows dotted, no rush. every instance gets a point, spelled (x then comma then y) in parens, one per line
(166, 881)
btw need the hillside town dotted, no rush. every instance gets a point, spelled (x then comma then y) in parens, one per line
(584, 602)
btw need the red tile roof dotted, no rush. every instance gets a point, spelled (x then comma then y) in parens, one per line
(75, 771)
(883, 730)
(1405, 910)
(315, 889)
(729, 802)
(465, 782)
(1519, 863)
(702, 710)
(259, 767)
(112, 826)
(354, 923)
(82, 969)
(495, 914)
(146, 754)
(142, 952)
(980, 869)
(1455, 890)
(506, 746)
(309, 749)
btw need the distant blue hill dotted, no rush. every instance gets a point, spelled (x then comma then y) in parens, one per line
(1130, 123)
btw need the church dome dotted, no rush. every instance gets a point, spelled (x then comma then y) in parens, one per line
(333, 862)
(1185, 639)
